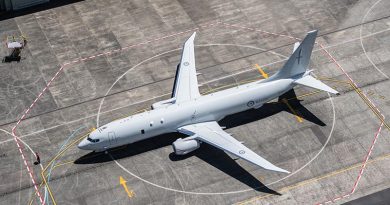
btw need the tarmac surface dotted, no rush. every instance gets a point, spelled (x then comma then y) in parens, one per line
(118, 57)
(378, 198)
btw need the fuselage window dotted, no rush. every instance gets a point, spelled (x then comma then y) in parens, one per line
(142, 131)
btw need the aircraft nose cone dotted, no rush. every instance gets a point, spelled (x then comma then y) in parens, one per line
(83, 144)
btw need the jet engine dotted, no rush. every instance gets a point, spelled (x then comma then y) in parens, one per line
(185, 146)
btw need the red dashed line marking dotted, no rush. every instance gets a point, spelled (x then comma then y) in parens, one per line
(350, 79)
(257, 30)
(360, 172)
(30, 171)
(16, 138)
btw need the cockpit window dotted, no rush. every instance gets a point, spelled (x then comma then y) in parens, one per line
(93, 140)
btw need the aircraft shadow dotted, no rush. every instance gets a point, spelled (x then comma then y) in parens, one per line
(130, 149)
(269, 109)
(220, 160)
(213, 156)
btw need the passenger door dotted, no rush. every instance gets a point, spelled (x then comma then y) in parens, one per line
(112, 138)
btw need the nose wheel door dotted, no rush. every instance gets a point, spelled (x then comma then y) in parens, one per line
(112, 138)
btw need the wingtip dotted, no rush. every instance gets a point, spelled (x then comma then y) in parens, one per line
(277, 169)
(191, 38)
(282, 170)
(285, 171)
(333, 91)
(312, 34)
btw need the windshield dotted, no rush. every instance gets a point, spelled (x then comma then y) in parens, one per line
(92, 140)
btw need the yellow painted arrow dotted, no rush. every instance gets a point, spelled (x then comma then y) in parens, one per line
(265, 75)
(122, 181)
(299, 118)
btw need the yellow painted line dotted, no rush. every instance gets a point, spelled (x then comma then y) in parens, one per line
(333, 80)
(218, 88)
(305, 95)
(32, 196)
(56, 157)
(309, 181)
(265, 75)
(62, 164)
(228, 86)
(62, 151)
(123, 182)
(48, 188)
(261, 178)
(299, 118)
(368, 103)
(52, 160)
(364, 98)
(65, 149)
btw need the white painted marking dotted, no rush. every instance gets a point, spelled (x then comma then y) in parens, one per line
(361, 41)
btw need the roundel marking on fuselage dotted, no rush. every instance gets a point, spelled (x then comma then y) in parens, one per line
(250, 103)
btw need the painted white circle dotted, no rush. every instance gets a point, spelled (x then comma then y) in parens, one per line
(211, 193)
(361, 40)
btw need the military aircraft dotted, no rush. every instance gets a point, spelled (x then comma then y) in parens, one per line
(196, 115)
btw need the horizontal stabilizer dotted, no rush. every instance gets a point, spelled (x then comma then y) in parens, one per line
(309, 81)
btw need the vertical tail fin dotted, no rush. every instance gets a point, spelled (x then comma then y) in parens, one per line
(298, 62)
(296, 66)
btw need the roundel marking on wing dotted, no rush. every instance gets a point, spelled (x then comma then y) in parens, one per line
(186, 63)
(241, 152)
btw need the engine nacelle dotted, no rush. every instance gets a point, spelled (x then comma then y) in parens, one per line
(185, 146)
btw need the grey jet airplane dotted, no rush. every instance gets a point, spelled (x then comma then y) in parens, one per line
(196, 115)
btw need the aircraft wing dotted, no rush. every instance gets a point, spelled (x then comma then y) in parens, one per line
(212, 133)
(186, 83)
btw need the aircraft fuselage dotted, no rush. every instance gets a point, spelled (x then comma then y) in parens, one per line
(211, 107)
